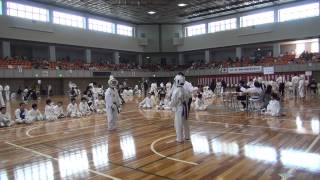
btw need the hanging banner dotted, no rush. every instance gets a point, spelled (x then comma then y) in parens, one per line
(248, 69)
(268, 70)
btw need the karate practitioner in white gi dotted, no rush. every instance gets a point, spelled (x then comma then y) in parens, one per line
(1, 97)
(34, 114)
(7, 92)
(112, 101)
(179, 104)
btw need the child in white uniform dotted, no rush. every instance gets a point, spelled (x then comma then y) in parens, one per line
(49, 111)
(164, 104)
(100, 105)
(34, 114)
(59, 110)
(84, 107)
(146, 103)
(72, 109)
(22, 114)
(5, 120)
(273, 108)
(199, 104)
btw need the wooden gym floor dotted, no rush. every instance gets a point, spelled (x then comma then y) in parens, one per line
(224, 145)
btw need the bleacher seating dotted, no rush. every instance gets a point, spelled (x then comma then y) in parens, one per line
(80, 65)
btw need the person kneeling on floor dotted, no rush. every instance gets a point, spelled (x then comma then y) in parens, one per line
(49, 111)
(5, 120)
(73, 110)
(199, 104)
(273, 108)
(34, 114)
(59, 110)
(21, 114)
(147, 102)
(84, 107)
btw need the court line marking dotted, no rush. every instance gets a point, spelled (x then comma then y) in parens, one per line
(179, 160)
(67, 119)
(161, 155)
(252, 117)
(285, 176)
(243, 125)
(52, 158)
(104, 123)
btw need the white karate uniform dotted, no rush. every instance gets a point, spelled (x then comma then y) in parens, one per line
(199, 105)
(5, 120)
(179, 103)
(50, 113)
(146, 103)
(24, 94)
(100, 106)
(35, 115)
(130, 92)
(20, 119)
(251, 90)
(168, 89)
(250, 84)
(164, 104)
(49, 89)
(125, 93)
(295, 83)
(219, 88)
(1, 97)
(301, 88)
(58, 110)
(94, 93)
(112, 104)
(273, 108)
(84, 108)
(7, 92)
(289, 85)
(73, 110)
(154, 89)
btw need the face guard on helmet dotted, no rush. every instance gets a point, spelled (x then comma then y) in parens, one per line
(179, 80)
(112, 82)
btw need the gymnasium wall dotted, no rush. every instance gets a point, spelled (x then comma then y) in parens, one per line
(151, 32)
(23, 29)
(223, 54)
(291, 30)
(168, 32)
(72, 53)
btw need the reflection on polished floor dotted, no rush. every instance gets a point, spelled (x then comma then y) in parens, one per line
(224, 145)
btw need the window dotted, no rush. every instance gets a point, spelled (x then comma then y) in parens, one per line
(68, 19)
(315, 46)
(300, 48)
(298, 12)
(98, 25)
(124, 30)
(0, 7)
(222, 25)
(195, 30)
(257, 19)
(27, 12)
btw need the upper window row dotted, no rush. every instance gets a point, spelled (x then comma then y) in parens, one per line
(285, 14)
(67, 19)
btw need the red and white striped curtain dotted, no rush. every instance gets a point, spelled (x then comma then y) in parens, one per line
(233, 79)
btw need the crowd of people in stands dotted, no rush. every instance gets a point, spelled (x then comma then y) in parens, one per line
(21, 62)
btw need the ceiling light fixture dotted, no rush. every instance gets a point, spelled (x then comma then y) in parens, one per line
(151, 12)
(182, 4)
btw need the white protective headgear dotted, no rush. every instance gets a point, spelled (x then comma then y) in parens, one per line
(112, 82)
(179, 80)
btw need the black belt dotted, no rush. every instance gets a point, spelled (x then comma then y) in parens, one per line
(185, 110)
